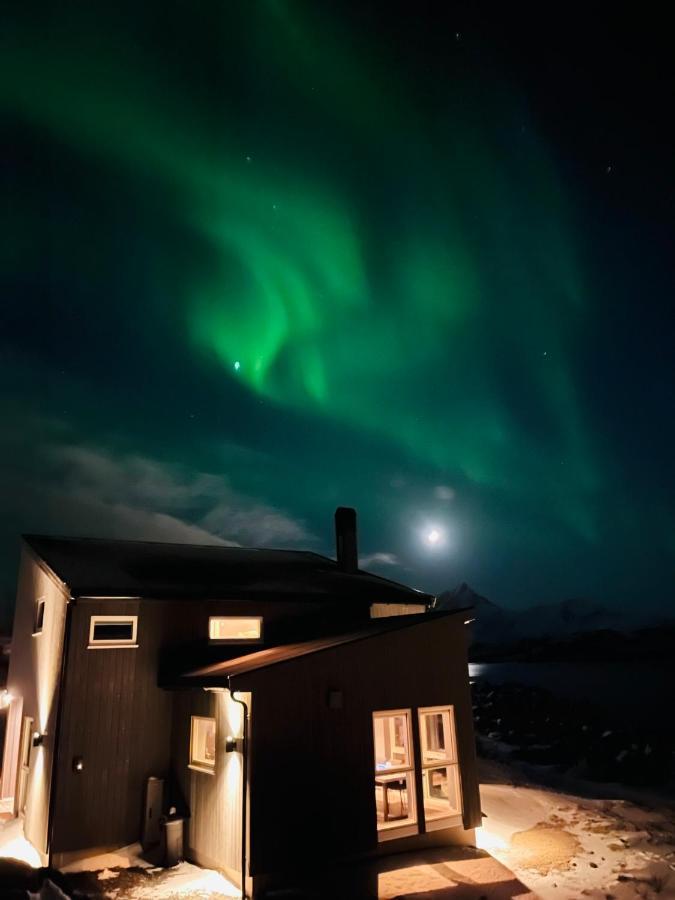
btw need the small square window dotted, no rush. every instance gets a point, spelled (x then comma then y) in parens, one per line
(112, 631)
(203, 744)
(235, 628)
(39, 617)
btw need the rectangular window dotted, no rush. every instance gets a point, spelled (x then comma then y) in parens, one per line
(382, 610)
(394, 774)
(203, 744)
(112, 631)
(235, 628)
(440, 768)
(39, 617)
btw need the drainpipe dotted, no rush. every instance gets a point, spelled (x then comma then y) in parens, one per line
(244, 780)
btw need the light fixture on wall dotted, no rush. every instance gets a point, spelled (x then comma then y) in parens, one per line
(231, 744)
(38, 739)
(5, 699)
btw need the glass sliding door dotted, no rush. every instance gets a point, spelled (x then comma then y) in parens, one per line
(442, 800)
(394, 774)
(400, 772)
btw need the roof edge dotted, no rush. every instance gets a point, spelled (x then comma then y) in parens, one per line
(42, 563)
(27, 537)
(33, 539)
(384, 625)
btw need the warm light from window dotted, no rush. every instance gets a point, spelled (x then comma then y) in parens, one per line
(235, 628)
(440, 767)
(394, 774)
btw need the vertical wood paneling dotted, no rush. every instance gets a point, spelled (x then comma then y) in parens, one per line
(312, 794)
(214, 827)
(118, 719)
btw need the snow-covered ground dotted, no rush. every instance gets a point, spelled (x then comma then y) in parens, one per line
(122, 875)
(567, 847)
(559, 844)
(13, 845)
(125, 874)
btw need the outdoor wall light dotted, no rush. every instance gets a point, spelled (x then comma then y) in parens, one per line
(78, 764)
(231, 744)
(38, 739)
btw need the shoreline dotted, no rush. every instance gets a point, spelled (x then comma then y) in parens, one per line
(578, 737)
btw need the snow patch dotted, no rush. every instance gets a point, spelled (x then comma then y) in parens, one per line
(565, 847)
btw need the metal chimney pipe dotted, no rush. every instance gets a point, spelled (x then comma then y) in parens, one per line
(345, 539)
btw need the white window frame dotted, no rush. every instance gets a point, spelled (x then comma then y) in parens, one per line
(395, 830)
(116, 643)
(200, 766)
(257, 640)
(450, 762)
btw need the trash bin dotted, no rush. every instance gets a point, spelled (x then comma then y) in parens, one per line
(152, 821)
(173, 827)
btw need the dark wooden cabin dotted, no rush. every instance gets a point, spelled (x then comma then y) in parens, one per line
(299, 710)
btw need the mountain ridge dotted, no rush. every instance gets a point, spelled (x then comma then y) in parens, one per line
(561, 620)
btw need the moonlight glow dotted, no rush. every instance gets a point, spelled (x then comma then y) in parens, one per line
(434, 536)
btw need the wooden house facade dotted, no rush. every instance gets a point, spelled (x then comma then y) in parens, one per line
(300, 712)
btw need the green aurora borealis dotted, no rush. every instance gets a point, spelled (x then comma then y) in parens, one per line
(274, 251)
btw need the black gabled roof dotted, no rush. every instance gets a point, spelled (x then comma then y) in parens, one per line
(218, 673)
(93, 567)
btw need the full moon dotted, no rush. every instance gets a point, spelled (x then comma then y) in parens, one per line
(433, 536)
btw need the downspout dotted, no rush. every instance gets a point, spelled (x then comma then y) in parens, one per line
(244, 780)
(57, 729)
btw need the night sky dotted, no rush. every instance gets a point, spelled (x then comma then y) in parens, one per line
(264, 258)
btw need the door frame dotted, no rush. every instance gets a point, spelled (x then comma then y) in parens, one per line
(23, 767)
(10, 756)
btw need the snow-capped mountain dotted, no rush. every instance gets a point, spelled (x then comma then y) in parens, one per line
(490, 620)
(557, 620)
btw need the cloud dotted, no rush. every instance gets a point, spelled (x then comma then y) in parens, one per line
(378, 559)
(254, 523)
(444, 492)
(130, 496)
(51, 485)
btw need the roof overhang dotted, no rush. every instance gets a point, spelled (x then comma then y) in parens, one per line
(219, 674)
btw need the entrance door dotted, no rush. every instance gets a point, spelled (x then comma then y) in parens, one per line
(10, 757)
(24, 763)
